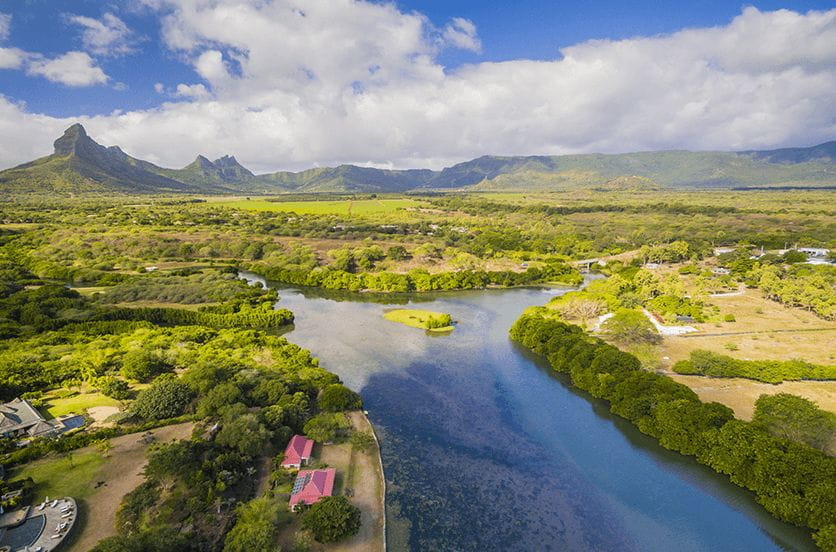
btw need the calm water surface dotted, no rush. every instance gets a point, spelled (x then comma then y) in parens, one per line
(485, 449)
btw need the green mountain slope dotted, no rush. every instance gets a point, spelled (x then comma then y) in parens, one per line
(80, 165)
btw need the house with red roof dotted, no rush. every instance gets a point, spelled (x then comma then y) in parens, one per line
(311, 486)
(298, 452)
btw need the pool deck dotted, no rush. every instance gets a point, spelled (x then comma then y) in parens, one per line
(59, 516)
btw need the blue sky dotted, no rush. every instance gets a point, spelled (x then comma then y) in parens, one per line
(115, 64)
(522, 29)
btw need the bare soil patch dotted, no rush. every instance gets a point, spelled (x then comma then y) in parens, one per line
(120, 474)
(740, 394)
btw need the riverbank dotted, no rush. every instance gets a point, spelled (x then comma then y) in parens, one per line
(360, 478)
(792, 481)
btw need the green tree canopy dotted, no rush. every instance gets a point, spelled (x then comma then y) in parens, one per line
(332, 519)
(337, 397)
(165, 399)
(629, 327)
(795, 418)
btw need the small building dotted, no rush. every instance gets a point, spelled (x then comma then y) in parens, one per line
(19, 419)
(723, 250)
(815, 252)
(298, 452)
(311, 486)
(721, 271)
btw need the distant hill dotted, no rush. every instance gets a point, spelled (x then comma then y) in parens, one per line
(80, 165)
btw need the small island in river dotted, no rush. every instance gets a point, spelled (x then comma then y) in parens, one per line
(426, 320)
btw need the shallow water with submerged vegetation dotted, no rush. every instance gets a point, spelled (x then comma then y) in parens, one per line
(484, 448)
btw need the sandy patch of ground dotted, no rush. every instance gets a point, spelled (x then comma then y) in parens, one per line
(101, 413)
(740, 394)
(121, 473)
(764, 330)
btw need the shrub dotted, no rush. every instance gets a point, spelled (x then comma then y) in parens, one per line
(332, 519)
(796, 418)
(142, 365)
(326, 427)
(114, 388)
(337, 397)
(165, 399)
(630, 327)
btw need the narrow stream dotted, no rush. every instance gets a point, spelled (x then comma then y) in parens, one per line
(484, 448)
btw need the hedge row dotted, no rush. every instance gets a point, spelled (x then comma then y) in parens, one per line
(706, 363)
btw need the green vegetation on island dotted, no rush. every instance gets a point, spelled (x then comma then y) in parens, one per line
(424, 319)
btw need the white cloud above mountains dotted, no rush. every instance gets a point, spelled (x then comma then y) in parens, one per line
(108, 36)
(70, 69)
(291, 84)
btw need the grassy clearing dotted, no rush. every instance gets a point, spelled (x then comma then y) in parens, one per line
(417, 318)
(69, 475)
(764, 330)
(344, 207)
(77, 404)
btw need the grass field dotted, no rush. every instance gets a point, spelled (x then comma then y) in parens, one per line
(77, 404)
(63, 476)
(416, 318)
(344, 207)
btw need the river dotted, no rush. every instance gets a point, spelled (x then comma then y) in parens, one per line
(485, 448)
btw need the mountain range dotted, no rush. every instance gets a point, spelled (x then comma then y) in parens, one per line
(80, 165)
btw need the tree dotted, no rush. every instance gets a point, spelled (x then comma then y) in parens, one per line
(153, 540)
(362, 440)
(326, 427)
(796, 418)
(245, 434)
(165, 399)
(630, 327)
(397, 253)
(114, 388)
(337, 397)
(255, 528)
(143, 365)
(332, 519)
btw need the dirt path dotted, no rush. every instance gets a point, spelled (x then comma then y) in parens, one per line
(121, 473)
(367, 486)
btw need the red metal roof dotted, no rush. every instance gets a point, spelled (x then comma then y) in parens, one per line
(299, 448)
(312, 485)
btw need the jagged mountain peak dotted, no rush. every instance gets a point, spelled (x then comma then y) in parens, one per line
(71, 139)
(227, 161)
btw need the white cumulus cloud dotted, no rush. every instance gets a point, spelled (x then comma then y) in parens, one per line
(5, 25)
(290, 84)
(12, 58)
(461, 32)
(108, 36)
(70, 69)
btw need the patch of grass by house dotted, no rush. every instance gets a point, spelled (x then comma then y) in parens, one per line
(423, 319)
(70, 475)
(76, 404)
